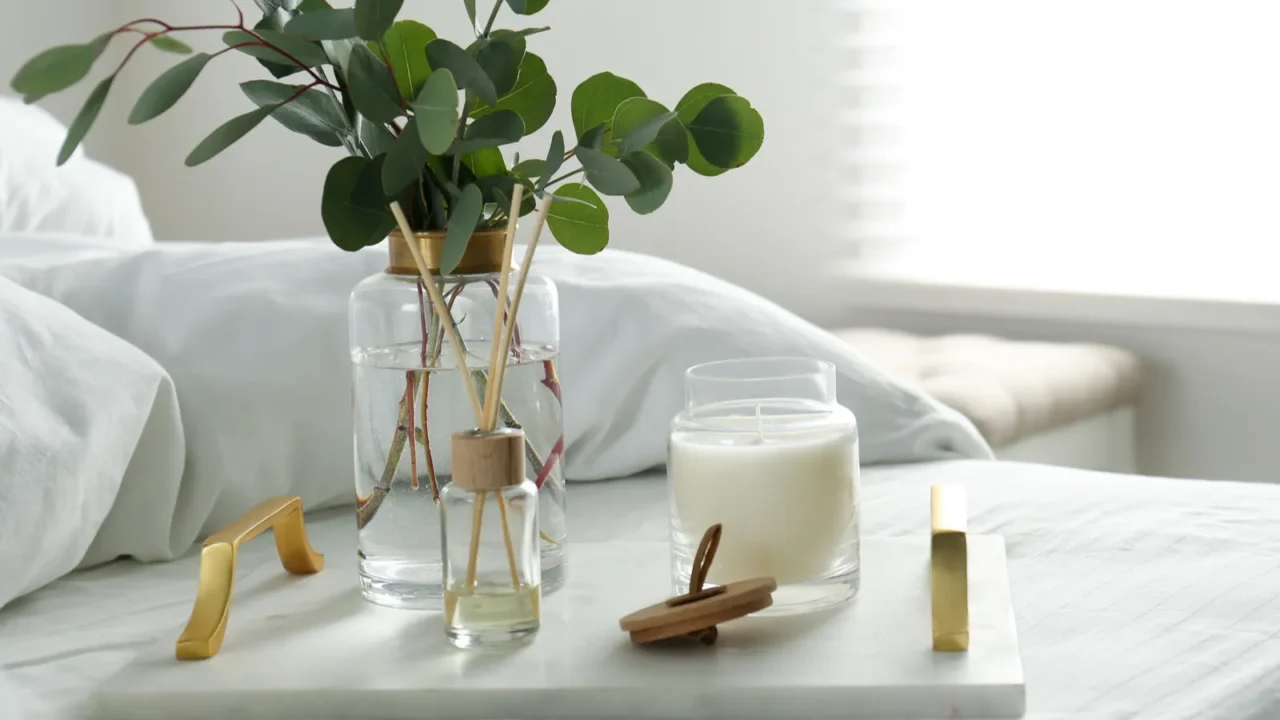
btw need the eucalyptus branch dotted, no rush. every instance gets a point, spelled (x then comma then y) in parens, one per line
(467, 102)
(488, 27)
(565, 176)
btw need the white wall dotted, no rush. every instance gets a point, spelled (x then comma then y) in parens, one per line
(766, 226)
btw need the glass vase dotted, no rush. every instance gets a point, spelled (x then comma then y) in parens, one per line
(410, 398)
(763, 449)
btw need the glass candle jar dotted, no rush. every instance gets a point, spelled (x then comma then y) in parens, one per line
(763, 449)
(409, 399)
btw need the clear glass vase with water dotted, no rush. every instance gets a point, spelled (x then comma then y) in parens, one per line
(409, 399)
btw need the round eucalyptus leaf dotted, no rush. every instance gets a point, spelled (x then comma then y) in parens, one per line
(596, 100)
(581, 224)
(527, 7)
(533, 98)
(466, 71)
(727, 131)
(84, 119)
(372, 88)
(499, 128)
(170, 44)
(57, 69)
(374, 17)
(404, 160)
(655, 182)
(436, 111)
(607, 174)
(227, 133)
(406, 45)
(485, 162)
(501, 62)
(639, 124)
(534, 168)
(463, 218)
(555, 158)
(349, 218)
(686, 110)
(324, 24)
(167, 89)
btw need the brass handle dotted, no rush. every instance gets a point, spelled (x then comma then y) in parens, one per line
(949, 568)
(202, 638)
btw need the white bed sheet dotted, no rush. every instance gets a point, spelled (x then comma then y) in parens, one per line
(1135, 597)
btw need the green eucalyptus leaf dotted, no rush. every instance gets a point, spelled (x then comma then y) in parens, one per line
(436, 110)
(57, 68)
(512, 36)
(314, 113)
(530, 168)
(372, 88)
(438, 214)
(374, 17)
(555, 158)
(486, 161)
(306, 52)
(501, 62)
(467, 72)
(375, 137)
(462, 223)
(636, 121)
(307, 6)
(596, 100)
(727, 131)
(533, 98)
(640, 121)
(499, 128)
(339, 54)
(170, 44)
(226, 134)
(655, 182)
(593, 138)
(406, 51)
(527, 7)
(350, 219)
(84, 119)
(607, 174)
(471, 12)
(687, 109)
(405, 160)
(167, 89)
(324, 24)
(581, 225)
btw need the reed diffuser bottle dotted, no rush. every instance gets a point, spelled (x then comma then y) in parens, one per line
(489, 522)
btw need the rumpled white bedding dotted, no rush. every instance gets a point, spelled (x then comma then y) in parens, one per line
(1135, 597)
(254, 338)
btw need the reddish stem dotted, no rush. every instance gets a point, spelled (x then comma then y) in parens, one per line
(167, 28)
(410, 397)
(552, 458)
(551, 379)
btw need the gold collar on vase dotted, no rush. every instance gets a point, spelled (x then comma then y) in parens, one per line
(483, 253)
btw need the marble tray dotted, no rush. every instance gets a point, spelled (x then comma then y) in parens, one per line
(310, 647)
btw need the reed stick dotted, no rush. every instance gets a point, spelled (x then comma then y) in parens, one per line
(492, 399)
(496, 378)
(437, 300)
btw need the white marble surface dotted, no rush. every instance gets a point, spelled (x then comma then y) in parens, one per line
(310, 647)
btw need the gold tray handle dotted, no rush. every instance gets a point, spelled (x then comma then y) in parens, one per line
(207, 626)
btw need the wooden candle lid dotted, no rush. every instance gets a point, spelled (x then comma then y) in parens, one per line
(697, 612)
(488, 460)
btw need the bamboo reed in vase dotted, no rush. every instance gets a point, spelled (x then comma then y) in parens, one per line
(489, 463)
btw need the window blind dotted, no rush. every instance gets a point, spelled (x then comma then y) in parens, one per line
(1121, 131)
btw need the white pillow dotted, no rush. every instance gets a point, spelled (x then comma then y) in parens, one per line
(91, 450)
(82, 197)
(255, 338)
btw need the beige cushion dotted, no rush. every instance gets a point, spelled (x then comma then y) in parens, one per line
(1009, 389)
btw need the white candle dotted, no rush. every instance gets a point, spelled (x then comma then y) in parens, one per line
(785, 497)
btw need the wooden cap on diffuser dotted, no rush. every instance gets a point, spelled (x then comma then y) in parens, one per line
(488, 460)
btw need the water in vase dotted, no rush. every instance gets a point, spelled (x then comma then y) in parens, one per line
(398, 472)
